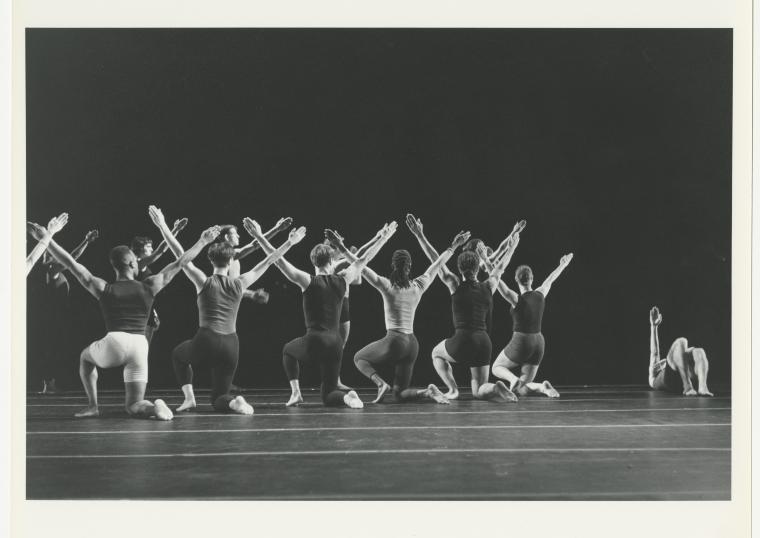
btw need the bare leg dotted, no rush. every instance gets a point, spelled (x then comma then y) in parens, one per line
(679, 360)
(700, 369)
(527, 385)
(483, 390)
(502, 368)
(137, 406)
(295, 393)
(88, 373)
(441, 362)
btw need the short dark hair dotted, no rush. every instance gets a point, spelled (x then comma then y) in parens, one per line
(472, 245)
(220, 254)
(468, 263)
(321, 255)
(223, 231)
(119, 257)
(139, 242)
(523, 275)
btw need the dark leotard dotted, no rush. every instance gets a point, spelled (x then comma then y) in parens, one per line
(321, 344)
(527, 344)
(125, 305)
(216, 339)
(470, 305)
(153, 322)
(54, 319)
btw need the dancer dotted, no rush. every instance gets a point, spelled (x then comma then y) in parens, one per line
(323, 294)
(55, 225)
(125, 305)
(681, 369)
(524, 352)
(55, 313)
(219, 297)
(400, 299)
(147, 256)
(470, 303)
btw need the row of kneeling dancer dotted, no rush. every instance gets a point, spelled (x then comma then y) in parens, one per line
(127, 307)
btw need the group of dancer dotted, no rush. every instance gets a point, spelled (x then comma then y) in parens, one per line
(127, 309)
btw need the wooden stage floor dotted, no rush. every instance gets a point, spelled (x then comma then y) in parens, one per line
(594, 443)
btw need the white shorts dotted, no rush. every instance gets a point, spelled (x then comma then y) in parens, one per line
(122, 349)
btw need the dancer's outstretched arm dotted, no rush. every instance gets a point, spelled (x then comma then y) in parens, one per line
(196, 276)
(446, 276)
(336, 240)
(563, 262)
(161, 249)
(516, 229)
(253, 275)
(512, 241)
(494, 275)
(359, 263)
(655, 364)
(460, 239)
(302, 279)
(282, 225)
(91, 283)
(54, 226)
(162, 278)
(91, 236)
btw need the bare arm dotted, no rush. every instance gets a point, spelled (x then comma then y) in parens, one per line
(196, 276)
(494, 276)
(300, 278)
(509, 295)
(282, 225)
(91, 283)
(358, 263)
(446, 276)
(159, 251)
(54, 226)
(158, 281)
(460, 239)
(655, 364)
(499, 252)
(547, 284)
(253, 275)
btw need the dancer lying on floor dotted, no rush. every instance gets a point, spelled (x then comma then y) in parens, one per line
(683, 367)
(470, 303)
(399, 347)
(519, 361)
(323, 294)
(216, 341)
(125, 305)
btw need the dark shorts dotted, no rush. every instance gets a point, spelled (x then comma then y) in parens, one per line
(526, 348)
(668, 380)
(469, 348)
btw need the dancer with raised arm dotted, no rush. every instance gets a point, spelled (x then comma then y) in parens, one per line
(146, 256)
(323, 294)
(519, 361)
(470, 302)
(219, 297)
(125, 305)
(55, 314)
(683, 367)
(55, 225)
(399, 348)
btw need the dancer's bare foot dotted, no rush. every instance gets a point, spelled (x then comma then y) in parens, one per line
(187, 405)
(381, 392)
(240, 406)
(504, 393)
(89, 411)
(351, 399)
(48, 387)
(690, 392)
(435, 394)
(162, 410)
(343, 386)
(550, 391)
(704, 392)
(453, 394)
(295, 399)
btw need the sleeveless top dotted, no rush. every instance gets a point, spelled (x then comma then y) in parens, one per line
(219, 302)
(322, 301)
(471, 304)
(125, 305)
(528, 312)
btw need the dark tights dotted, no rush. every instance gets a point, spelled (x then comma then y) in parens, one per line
(397, 348)
(324, 348)
(222, 351)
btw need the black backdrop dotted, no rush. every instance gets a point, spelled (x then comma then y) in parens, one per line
(613, 144)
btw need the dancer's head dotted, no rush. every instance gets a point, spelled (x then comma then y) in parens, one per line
(469, 264)
(524, 276)
(323, 257)
(401, 266)
(229, 234)
(142, 246)
(220, 254)
(123, 261)
(473, 245)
